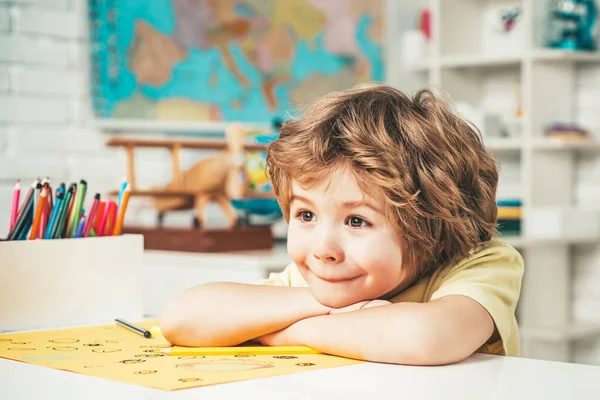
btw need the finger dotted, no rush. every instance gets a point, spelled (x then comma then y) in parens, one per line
(377, 303)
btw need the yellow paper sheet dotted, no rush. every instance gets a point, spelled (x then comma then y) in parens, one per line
(112, 352)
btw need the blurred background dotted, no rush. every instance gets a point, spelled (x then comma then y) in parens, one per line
(149, 92)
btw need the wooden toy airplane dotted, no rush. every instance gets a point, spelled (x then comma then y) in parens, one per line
(218, 178)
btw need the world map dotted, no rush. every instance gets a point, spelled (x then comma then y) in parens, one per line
(229, 60)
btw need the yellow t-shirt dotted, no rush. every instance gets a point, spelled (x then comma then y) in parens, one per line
(491, 276)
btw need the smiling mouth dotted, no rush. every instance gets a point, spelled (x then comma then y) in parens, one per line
(336, 280)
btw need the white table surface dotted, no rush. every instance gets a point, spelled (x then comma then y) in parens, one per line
(479, 377)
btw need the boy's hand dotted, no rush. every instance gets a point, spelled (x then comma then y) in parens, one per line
(359, 306)
(292, 335)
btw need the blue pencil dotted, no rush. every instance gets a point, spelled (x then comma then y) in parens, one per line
(62, 215)
(53, 215)
(79, 230)
(123, 186)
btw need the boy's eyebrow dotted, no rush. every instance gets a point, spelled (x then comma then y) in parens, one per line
(344, 204)
(301, 198)
(359, 203)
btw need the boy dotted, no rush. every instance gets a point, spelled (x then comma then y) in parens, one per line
(391, 210)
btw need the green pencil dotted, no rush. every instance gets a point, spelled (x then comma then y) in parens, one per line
(79, 197)
(63, 215)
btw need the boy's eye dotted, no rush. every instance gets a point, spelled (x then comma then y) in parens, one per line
(357, 222)
(306, 216)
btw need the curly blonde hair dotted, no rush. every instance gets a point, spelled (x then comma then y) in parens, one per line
(431, 166)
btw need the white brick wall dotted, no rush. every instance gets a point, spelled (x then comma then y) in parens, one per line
(35, 50)
(4, 17)
(39, 21)
(52, 4)
(18, 108)
(47, 81)
(4, 78)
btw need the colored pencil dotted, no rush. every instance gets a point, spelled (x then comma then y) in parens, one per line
(63, 214)
(121, 211)
(43, 220)
(104, 218)
(24, 205)
(54, 215)
(112, 216)
(15, 204)
(23, 222)
(70, 212)
(50, 200)
(238, 350)
(98, 219)
(36, 194)
(121, 190)
(134, 328)
(26, 225)
(78, 203)
(79, 230)
(37, 218)
(91, 216)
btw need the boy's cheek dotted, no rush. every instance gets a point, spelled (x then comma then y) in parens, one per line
(298, 245)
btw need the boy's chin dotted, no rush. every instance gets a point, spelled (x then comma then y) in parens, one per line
(331, 300)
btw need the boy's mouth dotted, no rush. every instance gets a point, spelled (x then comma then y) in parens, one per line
(336, 279)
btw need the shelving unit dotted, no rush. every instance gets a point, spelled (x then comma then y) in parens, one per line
(467, 63)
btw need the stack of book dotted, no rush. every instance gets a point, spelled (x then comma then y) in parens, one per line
(509, 217)
(566, 132)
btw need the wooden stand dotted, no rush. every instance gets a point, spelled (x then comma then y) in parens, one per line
(204, 240)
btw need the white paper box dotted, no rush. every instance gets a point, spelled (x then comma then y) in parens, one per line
(65, 282)
(556, 222)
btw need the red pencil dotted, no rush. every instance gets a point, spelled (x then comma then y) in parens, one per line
(112, 216)
(91, 216)
(24, 203)
(15, 204)
(104, 218)
(50, 200)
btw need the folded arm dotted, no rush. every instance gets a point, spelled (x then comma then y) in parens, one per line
(442, 331)
(227, 314)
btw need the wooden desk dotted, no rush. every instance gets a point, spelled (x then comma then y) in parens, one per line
(479, 377)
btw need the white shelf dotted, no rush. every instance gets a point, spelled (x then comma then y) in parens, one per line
(565, 55)
(570, 333)
(554, 144)
(144, 126)
(490, 60)
(479, 60)
(524, 242)
(542, 144)
(508, 145)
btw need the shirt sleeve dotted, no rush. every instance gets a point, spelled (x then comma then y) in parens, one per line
(290, 276)
(492, 277)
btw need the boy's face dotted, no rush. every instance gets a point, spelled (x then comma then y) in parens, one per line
(343, 245)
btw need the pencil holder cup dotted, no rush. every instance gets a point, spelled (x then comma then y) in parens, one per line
(67, 282)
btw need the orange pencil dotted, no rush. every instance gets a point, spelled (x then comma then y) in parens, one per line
(41, 206)
(122, 209)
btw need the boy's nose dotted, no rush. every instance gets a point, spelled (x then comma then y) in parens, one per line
(329, 251)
